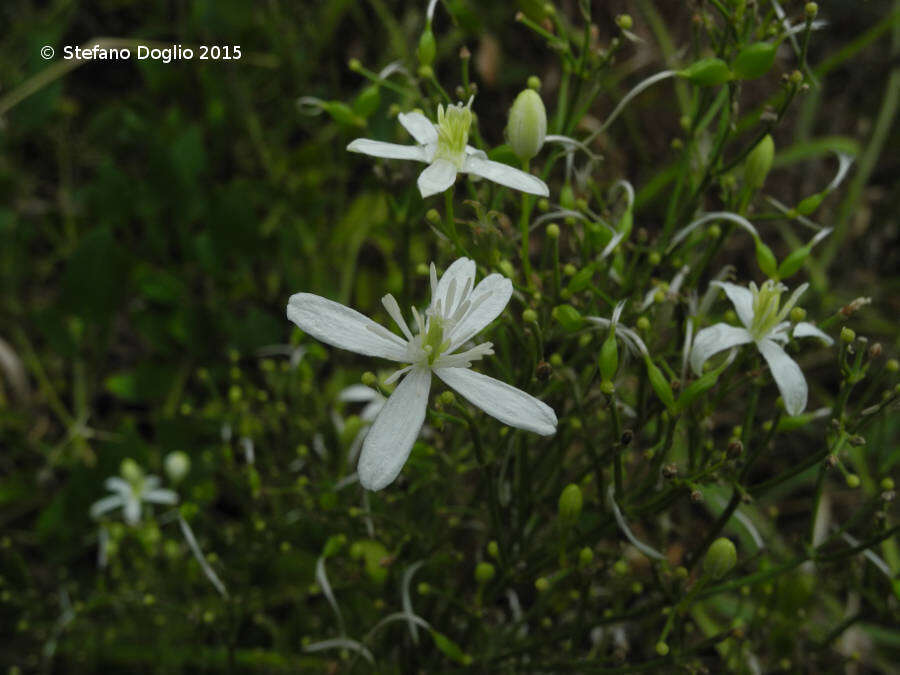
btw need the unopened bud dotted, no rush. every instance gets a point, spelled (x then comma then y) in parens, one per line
(529, 316)
(568, 317)
(553, 231)
(534, 82)
(585, 557)
(131, 470)
(847, 335)
(427, 48)
(570, 503)
(754, 60)
(624, 21)
(707, 72)
(484, 572)
(720, 558)
(759, 162)
(177, 465)
(811, 10)
(527, 125)
(369, 379)
(735, 449)
(493, 549)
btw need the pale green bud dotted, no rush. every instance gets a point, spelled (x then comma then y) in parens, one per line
(570, 503)
(131, 471)
(720, 558)
(759, 162)
(177, 465)
(527, 124)
(484, 572)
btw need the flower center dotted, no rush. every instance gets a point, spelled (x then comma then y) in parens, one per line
(453, 124)
(433, 343)
(767, 309)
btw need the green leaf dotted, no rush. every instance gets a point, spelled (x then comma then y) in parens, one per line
(449, 648)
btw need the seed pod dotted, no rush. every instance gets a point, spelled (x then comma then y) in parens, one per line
(707, 72)
(754, 60)
(427, 48)
(766, 259)
(609, 356)
(659, 383)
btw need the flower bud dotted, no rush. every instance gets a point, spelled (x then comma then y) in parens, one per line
(369, 379)
(527, 124)
(484, 572)
(427, 48)
(847, 335)
(624, 21)
(570, 503)
(766, 259)
(568, 317)
(852, 481)
(177, 465)
(892, 365)
(131, 470)
(759, 162)
(534, 82)
(609, 356)
(659, 382)
(720, 558)
(811, 10)
(810, 204)
(585, 557)
(754, 60)
(529, 316)
(553, 231)
(493, 549)
(662, 648)
(707, 72)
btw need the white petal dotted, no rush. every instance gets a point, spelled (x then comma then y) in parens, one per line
(370, 412)
(340, 326)
(475, 152)
(805, 329)
(132, 511)
(499, 290)
(741, 298)
(787, 375)
(116, 484)
(391, 437)
(714, 339)
(506, 175)
(506, 403)
(160, 496)
(101, 506)
(419, 127)
(367, 146)
(437, 177)
(357, 393)
(461, 276)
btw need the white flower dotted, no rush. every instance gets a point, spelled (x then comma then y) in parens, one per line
(443, 146)
(456, 314)
(763, 318)
(130, 494)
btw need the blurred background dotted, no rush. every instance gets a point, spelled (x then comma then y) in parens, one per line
(154, 219)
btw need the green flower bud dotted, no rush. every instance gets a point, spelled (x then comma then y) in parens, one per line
(553, 231)
(131, 471)
(367, 102)
(624, 21)
(529, 316)
(754, 60)
(662, 648)
(847, 335)
(177, 465)
(798, 314)
(567, 197)
(887, 483)
(792, 264)
(660, 383)
(484, 572)
(892, 365)
(447, 398)
(810, 204)
(570, 503)
(568, 317)
(852, 481)
(720, 558)
(620, 567)
(759, 162)
(707, 72)
(542, 584)
(369, 379)
(654, 258)
(527, 124)
(607, 387)
(534, 82)
(609, 356)
(427, 48)
(766, 259)
(643, 324)
(811, 10)
(354, 65)
(493, 549)
(342, 113)
(585, 556)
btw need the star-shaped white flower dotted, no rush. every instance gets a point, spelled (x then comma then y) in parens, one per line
(458, 311)
(443, 146)
(760, 310)
(130, 496)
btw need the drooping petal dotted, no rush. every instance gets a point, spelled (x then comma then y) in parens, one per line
(357, 393)
(506, 175)
(106, 504)
(132, 510)
(787, 375)
(339, 326)
(391, 437)
(504, 402)
(805, 329)
(741, 298)
(460, 276)
(713, 340)
(419, 127)
(119, 485)
(367, 146)
(160, 496)
(437, 177)
(498, 290)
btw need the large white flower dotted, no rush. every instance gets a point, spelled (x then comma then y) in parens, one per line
(458, 311)
(760, 310)
(443, 146)
(130, 496)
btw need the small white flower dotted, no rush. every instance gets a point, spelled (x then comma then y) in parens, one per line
(760, 310)
(130, 496)
(458, 311)
(443, 146)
